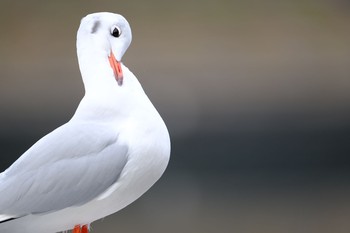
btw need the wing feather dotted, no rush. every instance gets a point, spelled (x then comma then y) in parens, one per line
(68, 167)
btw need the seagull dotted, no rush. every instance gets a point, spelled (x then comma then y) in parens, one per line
(113, 149)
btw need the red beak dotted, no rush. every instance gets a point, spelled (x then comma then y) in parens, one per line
(117, 69)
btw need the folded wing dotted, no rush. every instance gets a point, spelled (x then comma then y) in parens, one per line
(68, 167)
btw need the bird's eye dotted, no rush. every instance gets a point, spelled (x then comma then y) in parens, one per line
(115, 31)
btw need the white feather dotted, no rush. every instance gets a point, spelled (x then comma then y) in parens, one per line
(114, 148)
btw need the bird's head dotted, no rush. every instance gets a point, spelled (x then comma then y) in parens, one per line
(106, 34)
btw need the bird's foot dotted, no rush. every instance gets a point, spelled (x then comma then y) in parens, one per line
(79, 229)
(85, 229)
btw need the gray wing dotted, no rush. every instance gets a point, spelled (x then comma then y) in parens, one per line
(68, 167)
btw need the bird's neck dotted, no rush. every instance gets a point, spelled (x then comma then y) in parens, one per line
(95, 70)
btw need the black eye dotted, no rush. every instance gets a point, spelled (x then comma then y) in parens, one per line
(116, 31)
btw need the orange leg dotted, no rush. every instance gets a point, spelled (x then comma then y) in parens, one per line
(85, 229)
(76, 229)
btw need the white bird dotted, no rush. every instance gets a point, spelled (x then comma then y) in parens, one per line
(115, 147)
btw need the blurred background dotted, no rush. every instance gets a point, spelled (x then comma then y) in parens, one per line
(256, 96)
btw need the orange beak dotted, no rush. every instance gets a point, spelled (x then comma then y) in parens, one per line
(117, 68)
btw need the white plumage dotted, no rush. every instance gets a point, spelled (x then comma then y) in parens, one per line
(114, 148)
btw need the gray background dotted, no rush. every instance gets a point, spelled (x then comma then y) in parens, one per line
(256, 96)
